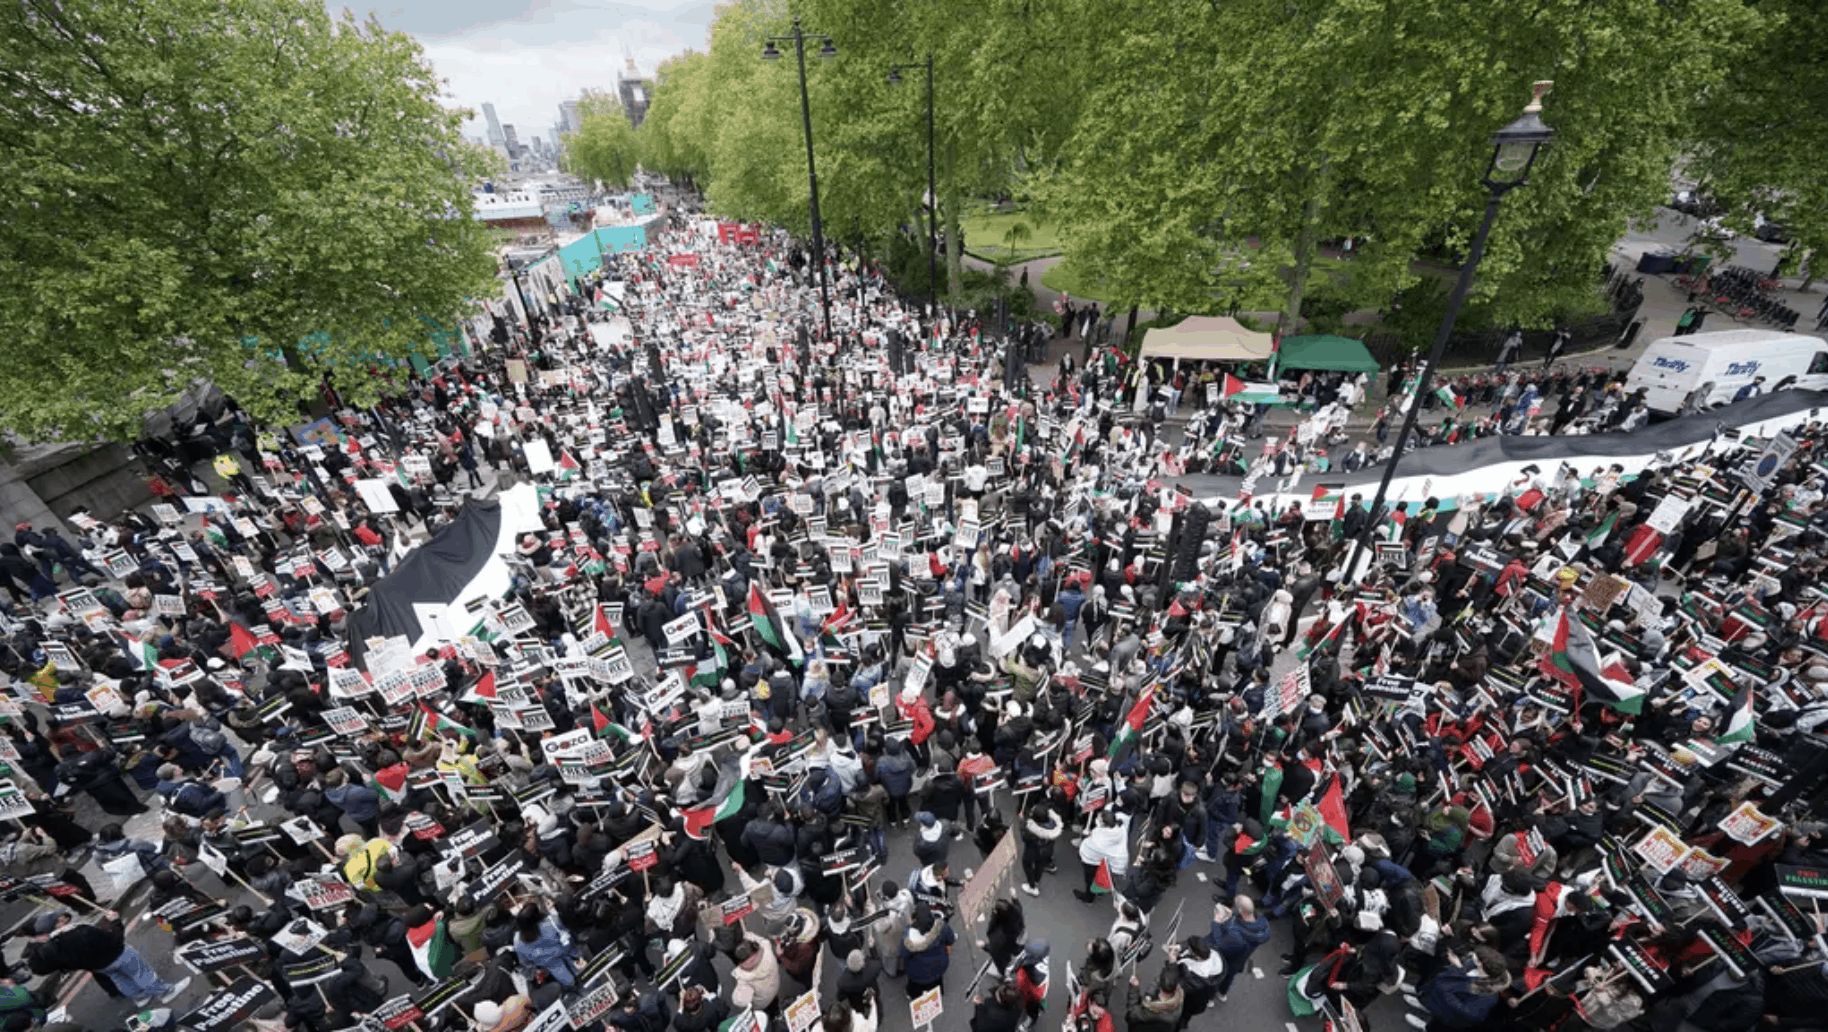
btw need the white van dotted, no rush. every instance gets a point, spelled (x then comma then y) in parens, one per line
(1702, 370)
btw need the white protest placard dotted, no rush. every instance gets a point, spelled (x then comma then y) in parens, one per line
(681, 630)
(374, 494)
(539, 457)
(1668, 514)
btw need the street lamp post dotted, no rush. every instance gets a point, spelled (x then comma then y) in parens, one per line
(526, 314)
(932, 194)
(1514, 152)
(771, 53)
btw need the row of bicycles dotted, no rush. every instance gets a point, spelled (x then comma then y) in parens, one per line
(1741, 293)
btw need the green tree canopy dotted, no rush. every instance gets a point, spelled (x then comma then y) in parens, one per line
(197, 186)
(1761, 142)
(604, 146)
(1223, 139)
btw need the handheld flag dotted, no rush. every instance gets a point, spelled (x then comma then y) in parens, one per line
(1101, 881)
(429, 723)
(1739, 719)
(698, 822)
(1131, 730)
(1574, 660)
(771, 629)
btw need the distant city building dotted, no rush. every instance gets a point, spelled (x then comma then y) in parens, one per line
(496, 138)
(571, 117)
(635, 92)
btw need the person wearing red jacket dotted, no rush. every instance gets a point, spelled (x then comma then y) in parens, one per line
(913, 706)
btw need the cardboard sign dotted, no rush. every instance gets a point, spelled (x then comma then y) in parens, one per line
(592, 1006)
(215, 955)
(1748, 825)
(926, 1008)
(230, 1007)
(803, 1013)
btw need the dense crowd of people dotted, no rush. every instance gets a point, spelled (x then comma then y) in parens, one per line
(832, 650)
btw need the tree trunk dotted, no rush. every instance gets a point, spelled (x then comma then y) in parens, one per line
(955, 251)
(1290, 319)
(1129, 329)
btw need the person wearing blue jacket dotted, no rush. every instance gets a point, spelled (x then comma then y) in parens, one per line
(927, 951)
(1236, 933)
(896, 772)
(1463, 994)
(358, 802)
(1070, 600)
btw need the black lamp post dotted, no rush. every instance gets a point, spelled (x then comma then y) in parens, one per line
(1514, 152)
(526, 314)
(771, 53)
(932, 194)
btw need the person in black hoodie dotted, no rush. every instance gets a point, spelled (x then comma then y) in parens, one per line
(1000, 1011)
(351, 991)
(689, 858)
(771, 839)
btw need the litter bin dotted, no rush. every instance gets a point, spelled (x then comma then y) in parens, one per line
(1630, 334)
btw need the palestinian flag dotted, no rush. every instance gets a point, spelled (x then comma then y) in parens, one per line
(483, 690)
(1332, 635)
(1247, 391)
(568, 466)
(1333, 811)
(1447, 395)
(1125, 741)
(390, 783)
(1334, 494)
(142, 653)
(216, 537)
(1598, 535)
(773, 631)
(1574, 660)
(603, 727)
(711, 674)
(429, 723)
(432, 949)
(600, 623)
(244, 641)
(698, 822)
(1739, 719)
(1101, 880)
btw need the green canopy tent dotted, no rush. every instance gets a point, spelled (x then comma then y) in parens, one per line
(1322, 351)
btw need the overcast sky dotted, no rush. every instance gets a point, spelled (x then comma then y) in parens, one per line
(527, 55)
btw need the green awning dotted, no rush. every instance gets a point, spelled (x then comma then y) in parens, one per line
(1322, 351)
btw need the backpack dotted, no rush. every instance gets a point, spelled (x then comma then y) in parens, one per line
(206, 734)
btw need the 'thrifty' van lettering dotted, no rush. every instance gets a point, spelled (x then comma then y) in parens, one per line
(1671, 363)
(1742, 369)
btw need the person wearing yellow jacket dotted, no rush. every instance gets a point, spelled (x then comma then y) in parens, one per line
(362, 860)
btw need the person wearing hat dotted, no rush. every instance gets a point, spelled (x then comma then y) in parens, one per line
(59, 944)
(509, 1015)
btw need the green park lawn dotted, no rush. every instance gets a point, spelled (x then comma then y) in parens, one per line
(984, 236)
